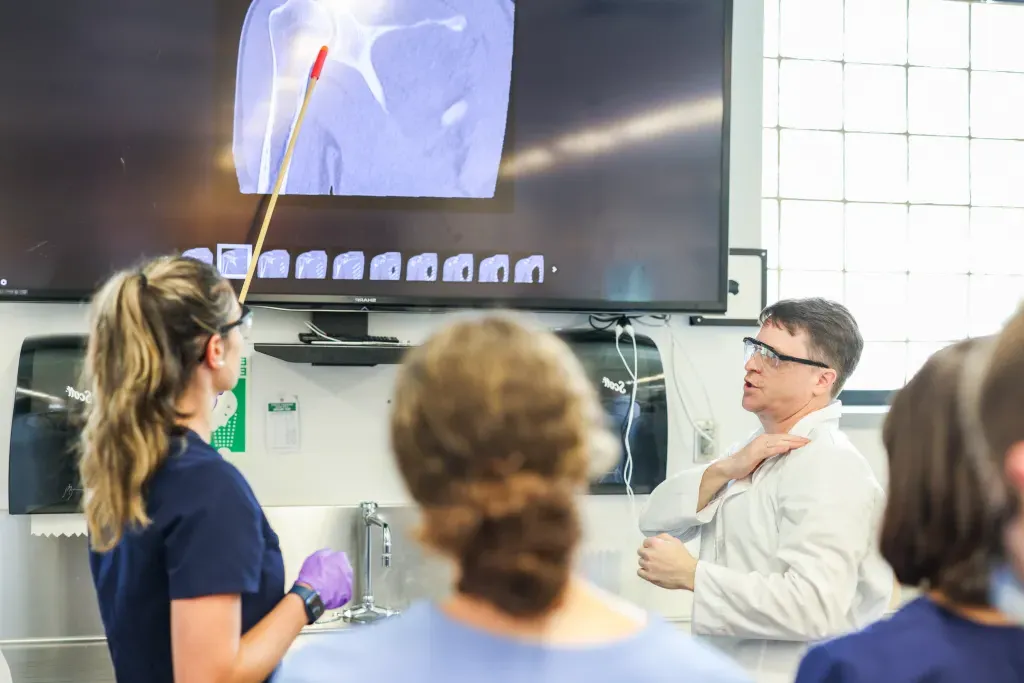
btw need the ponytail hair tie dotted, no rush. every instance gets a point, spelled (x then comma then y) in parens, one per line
(143, 282)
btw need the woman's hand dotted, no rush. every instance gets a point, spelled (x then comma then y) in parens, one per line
(329, 573)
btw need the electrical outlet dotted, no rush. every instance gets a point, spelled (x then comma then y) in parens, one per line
(704, 440)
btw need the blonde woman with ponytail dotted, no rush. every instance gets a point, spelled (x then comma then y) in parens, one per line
(496, 430)
(188, 572)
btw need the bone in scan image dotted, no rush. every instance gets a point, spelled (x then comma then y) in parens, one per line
(420, 114)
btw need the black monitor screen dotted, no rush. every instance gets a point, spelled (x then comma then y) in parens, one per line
(557, 154)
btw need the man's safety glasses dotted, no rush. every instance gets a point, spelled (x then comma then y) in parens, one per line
(772, 358)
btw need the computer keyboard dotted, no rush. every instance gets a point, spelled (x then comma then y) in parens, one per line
(362, 340)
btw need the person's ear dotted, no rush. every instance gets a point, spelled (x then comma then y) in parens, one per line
(1015, 465)
(215, 352)
(826, 380)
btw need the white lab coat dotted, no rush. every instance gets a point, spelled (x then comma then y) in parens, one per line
(788, 556)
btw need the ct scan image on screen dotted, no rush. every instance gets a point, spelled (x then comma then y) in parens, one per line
(542, 154)
(359, 137)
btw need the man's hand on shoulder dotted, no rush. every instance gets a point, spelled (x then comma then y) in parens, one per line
(742, 463)
(665, 562)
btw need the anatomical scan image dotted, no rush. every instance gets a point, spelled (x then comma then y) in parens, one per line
(494, 268)
(412, 101)
(529, 270)
(349, 266)
(311, 265)
(273, 265)
(201, 254)
(458, 268)
(233, 260)
(422, 268)
(386, 266)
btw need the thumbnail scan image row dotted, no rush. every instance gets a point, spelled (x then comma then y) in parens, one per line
(233, 261)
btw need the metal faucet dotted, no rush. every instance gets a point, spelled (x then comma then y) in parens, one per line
(367, 611)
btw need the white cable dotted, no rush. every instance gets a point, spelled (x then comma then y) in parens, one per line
(679, 392)
(627, 469)
(285, 309)
(693, 368)
(677, 385)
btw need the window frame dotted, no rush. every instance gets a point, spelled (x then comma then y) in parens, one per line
(772, 233)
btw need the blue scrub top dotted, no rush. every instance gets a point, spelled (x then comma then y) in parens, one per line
(425, 645)
(921, 643)
(208, 536)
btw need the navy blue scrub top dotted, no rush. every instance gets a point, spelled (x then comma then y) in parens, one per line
(208, 536)
(921, 643)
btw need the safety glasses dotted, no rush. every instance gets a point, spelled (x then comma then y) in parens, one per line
(243, 323)
(772, 358)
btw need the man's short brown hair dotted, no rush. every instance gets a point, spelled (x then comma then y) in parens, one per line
(942, 529)
(831, 329)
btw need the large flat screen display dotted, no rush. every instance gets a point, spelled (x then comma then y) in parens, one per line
(553, 154)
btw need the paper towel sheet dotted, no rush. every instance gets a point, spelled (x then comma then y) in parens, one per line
(58, 525)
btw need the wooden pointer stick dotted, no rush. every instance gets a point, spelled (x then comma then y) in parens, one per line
(314, 76)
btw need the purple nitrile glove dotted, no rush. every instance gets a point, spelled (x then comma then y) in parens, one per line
(330, 575)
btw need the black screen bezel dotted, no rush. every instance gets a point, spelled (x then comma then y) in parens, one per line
(547, 304)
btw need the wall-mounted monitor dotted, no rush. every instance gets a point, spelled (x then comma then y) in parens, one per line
(551, 154)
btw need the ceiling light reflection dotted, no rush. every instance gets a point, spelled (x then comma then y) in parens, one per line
(591, 142)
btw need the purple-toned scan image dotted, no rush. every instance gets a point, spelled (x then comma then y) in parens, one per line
(233, 260)
(530, 270)
(311, 265)
(349, 266)
(273, 265)
(458, 268)
(494, 268)
(422, 268)
(412, 101)
(201, 254)
(387, 266)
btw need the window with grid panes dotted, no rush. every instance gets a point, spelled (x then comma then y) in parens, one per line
(893, 176)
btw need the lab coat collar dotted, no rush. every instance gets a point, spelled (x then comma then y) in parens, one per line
(830, 413)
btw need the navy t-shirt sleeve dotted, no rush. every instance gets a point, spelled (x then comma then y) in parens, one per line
(215, 545)
(821, 666)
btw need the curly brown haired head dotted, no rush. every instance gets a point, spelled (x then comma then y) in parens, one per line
(496, 428)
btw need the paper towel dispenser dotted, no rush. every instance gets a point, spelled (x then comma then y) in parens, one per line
(648, 435)
(43, 475)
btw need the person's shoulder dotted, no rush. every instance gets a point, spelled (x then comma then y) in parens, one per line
(834, 443)
(193, 466)
(354, 650)
(831, 456)
(667, 655)
(880, 647)
(190, 456)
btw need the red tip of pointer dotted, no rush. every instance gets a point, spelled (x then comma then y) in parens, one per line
(319, 65)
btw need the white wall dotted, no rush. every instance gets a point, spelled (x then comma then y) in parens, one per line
(345, 458)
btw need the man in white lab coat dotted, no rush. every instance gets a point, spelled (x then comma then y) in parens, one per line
(787, 522)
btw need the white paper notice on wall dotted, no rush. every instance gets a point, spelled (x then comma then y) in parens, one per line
(283, 425)
(67, 524)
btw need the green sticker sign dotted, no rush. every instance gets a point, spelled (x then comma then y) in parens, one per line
(229, 416)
